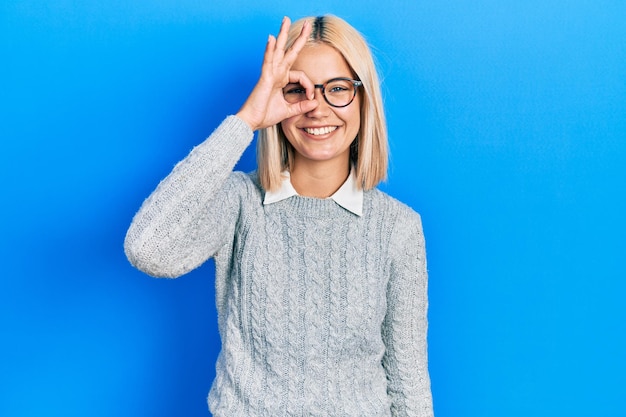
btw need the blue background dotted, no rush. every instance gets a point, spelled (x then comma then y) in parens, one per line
(507, 124)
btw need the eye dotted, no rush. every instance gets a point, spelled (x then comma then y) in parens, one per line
(294, 90)
(337, 88)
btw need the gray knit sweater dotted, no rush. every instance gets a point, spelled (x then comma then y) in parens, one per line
(321, 312)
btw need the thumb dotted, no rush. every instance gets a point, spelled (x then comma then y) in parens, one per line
(302, 107)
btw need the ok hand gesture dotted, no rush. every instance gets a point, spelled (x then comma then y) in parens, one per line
(266, 105)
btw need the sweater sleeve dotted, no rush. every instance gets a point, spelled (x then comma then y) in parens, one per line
(189, 215)
(405, 325)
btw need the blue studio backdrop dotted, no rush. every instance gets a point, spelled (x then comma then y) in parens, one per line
(507, 124)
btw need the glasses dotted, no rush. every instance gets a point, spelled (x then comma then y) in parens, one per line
(338, 92)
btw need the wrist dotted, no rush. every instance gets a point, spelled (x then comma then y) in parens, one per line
(243, 115)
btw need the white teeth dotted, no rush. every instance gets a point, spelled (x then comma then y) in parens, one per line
(320, 130)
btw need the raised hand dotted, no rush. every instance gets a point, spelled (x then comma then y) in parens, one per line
(266, 105)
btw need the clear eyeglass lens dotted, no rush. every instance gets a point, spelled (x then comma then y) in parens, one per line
(294, 93)
(339, 92)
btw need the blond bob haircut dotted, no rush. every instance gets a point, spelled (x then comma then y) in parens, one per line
(369, 151)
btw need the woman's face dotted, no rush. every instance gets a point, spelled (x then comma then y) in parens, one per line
(325, 133)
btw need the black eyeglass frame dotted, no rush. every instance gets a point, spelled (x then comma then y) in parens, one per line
(355, 83)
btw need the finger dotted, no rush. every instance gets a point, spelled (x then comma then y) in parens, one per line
(301, 78)
(281, 40)
(302, 107)
(297, 46)
(269, 50)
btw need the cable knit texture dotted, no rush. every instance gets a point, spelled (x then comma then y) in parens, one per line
(321, 312)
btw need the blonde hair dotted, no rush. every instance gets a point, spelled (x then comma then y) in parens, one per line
(369, 151)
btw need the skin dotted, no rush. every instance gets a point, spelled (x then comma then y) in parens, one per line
(322, 162)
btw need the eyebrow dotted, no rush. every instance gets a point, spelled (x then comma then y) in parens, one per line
(349, 77)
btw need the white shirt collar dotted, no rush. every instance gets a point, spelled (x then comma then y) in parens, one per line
(348, 196)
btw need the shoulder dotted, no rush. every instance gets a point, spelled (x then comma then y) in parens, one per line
(242, 179)
(245, 185)
(402, 224)
(381, 204)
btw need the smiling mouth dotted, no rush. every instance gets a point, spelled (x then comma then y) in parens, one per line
(318, 131)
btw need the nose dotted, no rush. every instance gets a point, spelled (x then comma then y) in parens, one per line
(322, 106)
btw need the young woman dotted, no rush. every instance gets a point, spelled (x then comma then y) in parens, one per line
(321, 283)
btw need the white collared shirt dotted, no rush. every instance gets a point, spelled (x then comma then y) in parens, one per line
(348, 196)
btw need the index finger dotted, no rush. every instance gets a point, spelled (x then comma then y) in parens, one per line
(301, 78)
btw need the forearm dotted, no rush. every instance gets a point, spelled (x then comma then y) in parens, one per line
(177, 227)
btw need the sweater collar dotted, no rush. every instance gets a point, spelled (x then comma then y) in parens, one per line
(348, 196)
